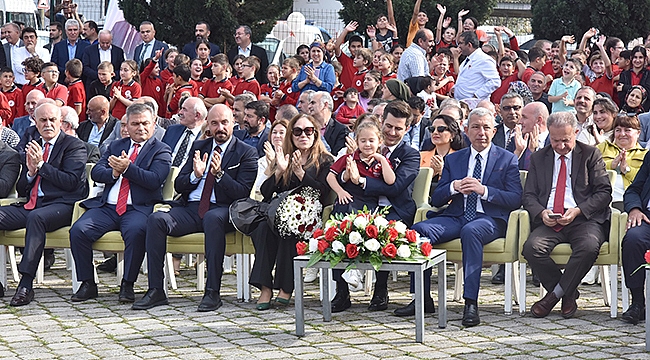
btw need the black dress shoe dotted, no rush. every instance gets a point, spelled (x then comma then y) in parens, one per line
(48, 259)
(470, 315)
(211, 301)
(500, 277)
(2, 290)
(23, 296)
(153, 298)
(341, 302)
(409, 310)
(634, 314)
(379, 301)
(126, 292)
(109, 265)
(86, 291)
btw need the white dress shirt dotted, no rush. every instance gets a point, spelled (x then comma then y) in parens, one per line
(383, 200)
(477, 77)
(245, 51)
(114, 193)
(193, 135)
(569, 202)
(413, 63)
(196, 194)
(105, 55)
(470, 173)
(31, 178)
(19, 54)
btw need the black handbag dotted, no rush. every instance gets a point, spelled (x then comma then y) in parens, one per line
(246, 214)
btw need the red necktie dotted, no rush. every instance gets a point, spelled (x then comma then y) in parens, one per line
(206, 194)
(31, 204)
(560, 188)
(123, 195)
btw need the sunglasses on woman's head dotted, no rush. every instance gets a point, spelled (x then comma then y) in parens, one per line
(309, 131)
(440, 129)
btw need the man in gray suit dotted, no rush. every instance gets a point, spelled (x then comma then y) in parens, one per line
(12, 32)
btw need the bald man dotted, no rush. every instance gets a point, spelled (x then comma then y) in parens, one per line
(100, 124)
(222, 170)
(94, 54)
(22, 123)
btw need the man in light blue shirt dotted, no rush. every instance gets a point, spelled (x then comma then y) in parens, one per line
(414, 59)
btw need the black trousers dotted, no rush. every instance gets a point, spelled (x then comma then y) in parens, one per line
(272, 250)
(584, 236)
(183, 220)
(635, 243)
(36, 223)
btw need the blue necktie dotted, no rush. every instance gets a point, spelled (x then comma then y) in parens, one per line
(472, 199)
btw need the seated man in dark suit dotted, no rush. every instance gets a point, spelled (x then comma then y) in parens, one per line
(134, 170)
(255, 132)
(53, 178)
(180, 137)
(222, 170)
(100, 124)
(481, 185)
(567, 194)
(9, 170)
(69, 125)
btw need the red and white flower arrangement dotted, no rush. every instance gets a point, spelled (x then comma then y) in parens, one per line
(364, 237)
(299, 214)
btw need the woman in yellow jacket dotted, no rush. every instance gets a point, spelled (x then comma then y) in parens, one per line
(623, 154)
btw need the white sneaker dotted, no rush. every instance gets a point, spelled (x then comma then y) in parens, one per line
(354, 278)
(592, 276)
(310, 274)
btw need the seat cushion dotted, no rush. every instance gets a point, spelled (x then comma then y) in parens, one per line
(494, 252)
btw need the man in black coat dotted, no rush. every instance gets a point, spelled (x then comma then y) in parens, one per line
(245, 47)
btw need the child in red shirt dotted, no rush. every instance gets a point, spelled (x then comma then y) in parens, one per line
(167, 74)
(284, 94)
(387, 67)
(249, 84)
(14, 96)
(51, 88)
(267, 90)
(237, 68)
(76, 91)
(211, 92)
(126, 90)
(181, 88)
(350, 110)
(151, 82)
(349, 77)
(601, 65)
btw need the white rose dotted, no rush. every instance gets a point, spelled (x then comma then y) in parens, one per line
(403, 251)
(372, 245)
(361, 222)
(313, 245)
(337, 246)
(355, 238)
(400, 227)
(381, 222)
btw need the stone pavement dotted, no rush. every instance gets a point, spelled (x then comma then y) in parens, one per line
(53, 327)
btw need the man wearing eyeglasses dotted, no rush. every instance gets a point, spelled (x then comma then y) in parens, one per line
(30, 49)
(244, 46)
(510, 110)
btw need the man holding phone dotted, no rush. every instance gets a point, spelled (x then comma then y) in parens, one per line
(569, 204)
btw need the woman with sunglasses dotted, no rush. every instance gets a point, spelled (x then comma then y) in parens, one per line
(317, 75)
(446, 138)
(623, 154)
(302, 160)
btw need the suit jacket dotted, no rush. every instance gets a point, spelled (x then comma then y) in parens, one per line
(20, 125)
(261, 54)
(264, 137)
(3, 57)
(63, 176)
(644, 119)
(10, 166)
(637, 194)
(592, 190)
(146, 175)
(239, 163)
(93, 153)
(173, 135)
(499, 138)
(91, 60)
(501, 177)
(60, 55)
(157, 45)
(86, 127)
(406, 164)
(335, 134)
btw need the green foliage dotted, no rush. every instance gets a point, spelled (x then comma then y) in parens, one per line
(175, 20)
(624, 19)
(366, 11)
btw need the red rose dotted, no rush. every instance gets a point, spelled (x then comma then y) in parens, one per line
(392, 234)
(389, 251)
(351, 251)
(372, 231)
(330, 233)
(301, 228)
(318, 233)
(322, 246)
(426, 248)
(647, 256)
(411, 236)
(345, 224)
(301, 247)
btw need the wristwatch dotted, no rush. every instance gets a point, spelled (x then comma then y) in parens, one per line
(40, 165)
(362, 182)
(219, 175)
(627, 169)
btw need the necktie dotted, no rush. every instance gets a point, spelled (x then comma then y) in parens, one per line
(180, 155)
(472, 199)
(123, 195)
(144, 51)
(384, 151)
(31, 204)
(509, 143)
(206, 194)
(560, 188)
(465, 62)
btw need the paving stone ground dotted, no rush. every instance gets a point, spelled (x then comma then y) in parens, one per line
(52, 327)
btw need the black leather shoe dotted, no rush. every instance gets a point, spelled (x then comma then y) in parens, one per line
(126, 292)
(341, 302)
(409, 310)
(86, 291)
(500, 277)
(23, 296)
(470, 315)
(2, 290)
(634, 314)
(109, 265)
(153, 298)
(211, 301)
(48, 259)
(379, 301)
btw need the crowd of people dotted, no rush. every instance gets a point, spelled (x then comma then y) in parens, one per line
(359, 124)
